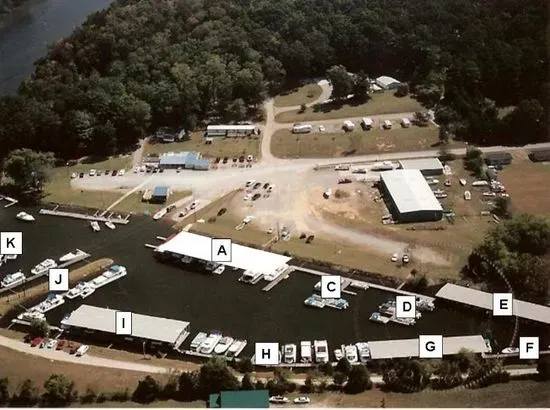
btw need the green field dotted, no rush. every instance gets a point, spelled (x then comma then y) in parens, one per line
(133, 203)
(298, 96)
(380, 103)
(319, 145)
(220, 147)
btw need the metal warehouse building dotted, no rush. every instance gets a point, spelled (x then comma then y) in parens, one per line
(409, 197)
(428, 166)
(186, 160)
(230, 130)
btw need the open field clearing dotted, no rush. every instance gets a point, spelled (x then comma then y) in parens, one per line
(59, 189)
(319, 145)
(220, 147)
(527, 184)
(133, 203)
(298, 96)
(380, 103)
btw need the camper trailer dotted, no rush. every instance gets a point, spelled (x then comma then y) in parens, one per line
(366, 123)
(387, 125)
(301, 128)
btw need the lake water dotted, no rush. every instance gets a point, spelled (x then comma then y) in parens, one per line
(221, 302)
(38, 24)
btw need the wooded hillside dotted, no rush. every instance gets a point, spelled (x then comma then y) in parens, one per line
(145, 63)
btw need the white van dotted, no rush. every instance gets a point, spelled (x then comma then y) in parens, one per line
(405, 123)
(387, 125)
(81, 351)
(349, 126)
(366, 123)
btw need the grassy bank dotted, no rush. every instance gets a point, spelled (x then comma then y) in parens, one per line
(12, 300)
(298, 96)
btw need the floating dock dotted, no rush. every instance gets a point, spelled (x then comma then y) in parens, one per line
(82, 256)
(99, 217)
(283, 275)
(10, 200)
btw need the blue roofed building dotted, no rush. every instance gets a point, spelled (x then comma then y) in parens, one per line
(240, 399)
(184, 160)
(160, 194)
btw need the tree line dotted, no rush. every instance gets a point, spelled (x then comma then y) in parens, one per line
(401, 375)
(141, 64)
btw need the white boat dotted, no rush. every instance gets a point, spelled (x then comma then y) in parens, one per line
(3, 259)
(305, 351)
(110, 225)
(338, 355)
(160, 214)
(223, 345)
(115, 272)
(13, 279)
(289, 353)
(197, 341)
(210, 266)
(95, 226)
(76, 291)
(71, 255)
(378, 318)
(251, 277)
(364, 351)
(31, 315)
(509, 350)
(236, 348)
(43, 266)
(320, 348)
(210, 342)
(278, 400)
(23, 216)
(219, 270)
(351, 354)
(467, 195)
(462, 182)
(86, 291)
(50, 303)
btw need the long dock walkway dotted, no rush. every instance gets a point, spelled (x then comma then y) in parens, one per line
(360, 283)
(80, 258)
(96, 217)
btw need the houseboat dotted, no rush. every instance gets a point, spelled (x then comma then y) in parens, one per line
(305, 351)
(197, 341)
(236, 348)
(207, 347)
(251, 277)
(351, 354)
(364, 351)
(320, 348)
(14, 279)
(43, 266)
(289, 353)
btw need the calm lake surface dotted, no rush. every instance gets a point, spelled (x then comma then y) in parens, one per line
(34, 26)
(221, 302)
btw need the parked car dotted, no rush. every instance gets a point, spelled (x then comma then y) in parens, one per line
(81, 175)
(108, 171)
(193, 205)
(61, 344)
(249, 183)
(301, 400)
(249, 158)
(278, 400)
(36, 341)
(217, 160)
(405, 259)
(114, 173)
(270, 188)
(73, 175)
(81, 351)
(225, 159)
(222, 211)
(266, 185)
(92, 172)
(394, 257)
(241, 158)
(51, 344)
(247, 197)
(257, 185)
(256, 196)
(121, 172)
(43, 343)
(161, 170)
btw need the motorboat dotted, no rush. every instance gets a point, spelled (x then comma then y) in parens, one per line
(43, 266)
(251, 277)
(210, 342)
(364, 351)
(160, 214)
(3, 259)
(23, 216)
(197, 341)
(338, 355)
(219, 270)
(378, 318)
(210, 266)
(289, 353)
(510, 350)
(71, 255)
(424, 304)
(315, 301)
(278, 400)
(236, 348)
(110, 225)
(31, 315)
(223, 345)
(115, 272)
(187, 259)
(76, 291)
(95, 226)
(320, 348)
(305, 351)
(13, 279)
(86, 291)
(351, 354)
(467, 195)
(462, 182)
(51, 302)
(301, 400)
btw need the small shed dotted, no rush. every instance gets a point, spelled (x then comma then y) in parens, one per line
(542, 155)
(387, 83)
(498, 158)
(160, 194)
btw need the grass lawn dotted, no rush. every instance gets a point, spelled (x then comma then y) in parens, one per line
(222, 147)
(318, 145)
(133, 203)
(298, 96)
(59, 189)
(527, 184)
(380, 103)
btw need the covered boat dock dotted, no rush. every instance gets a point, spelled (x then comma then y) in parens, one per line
(484, 300)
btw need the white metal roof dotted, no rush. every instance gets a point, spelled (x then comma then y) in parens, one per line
(385, 80)
(410, 191)
(230, 127)
(367, 121)
(146, 327)
(421, 163)
(242, 257)
(387, 349)
(484, 300)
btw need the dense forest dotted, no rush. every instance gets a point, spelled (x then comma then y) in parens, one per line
(144, 63)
